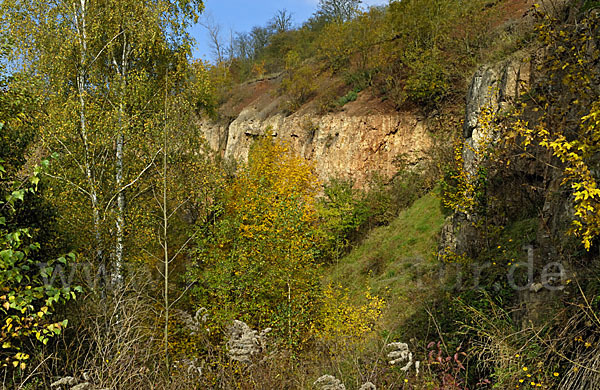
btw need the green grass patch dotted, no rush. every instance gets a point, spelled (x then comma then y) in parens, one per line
(395, 261)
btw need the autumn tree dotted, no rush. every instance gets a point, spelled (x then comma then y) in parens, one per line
(100, 65)
(185, 179)
(434, 47)
(566, 136)
(28, 240)
(27, 295)
(298, 82)
(257, 262)
(215, 35)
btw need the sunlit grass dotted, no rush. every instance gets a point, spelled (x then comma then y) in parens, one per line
(395, 261)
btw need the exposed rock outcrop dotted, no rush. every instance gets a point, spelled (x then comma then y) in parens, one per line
(72, 383)
(244, 342)
(329, 382)
(341, 144)
(493, 87)
(496, 88)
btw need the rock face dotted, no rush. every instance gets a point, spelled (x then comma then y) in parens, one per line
(496, 87)
(493, 87)
(340, 144)
(244, 342)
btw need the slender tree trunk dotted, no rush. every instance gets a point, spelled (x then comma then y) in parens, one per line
(120, 220)
(165, 230)
(80, 24)
(289, 324)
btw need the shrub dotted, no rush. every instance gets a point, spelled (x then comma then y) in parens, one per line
(27, 298)
(298, 83)
(427, 83)
(344, 322)
(349, 97)
(257, 262)
(343, 212)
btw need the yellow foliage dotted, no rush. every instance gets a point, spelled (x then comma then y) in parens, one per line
(466, 188)
(577, 173)
(258, 263)
(570, 131)
(335, 45)
(274, 177)
(345, 321)
(298, 84)
(258, 69)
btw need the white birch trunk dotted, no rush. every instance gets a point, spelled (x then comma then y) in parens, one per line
(81, 26)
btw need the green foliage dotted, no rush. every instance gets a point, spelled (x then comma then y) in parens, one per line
(465, 188)
(589, 5)
(348, 213)
(26, 297)
(338, 10)
(437, 41)
(427, 83)
(335, 45)
(394, 261)
(201, 89)
(101, 106)
(354, 48)
(412, 50)
(343, 211)
(566, 108)
(345, 323)
(16, 105)
(264, 238)
(347, 98)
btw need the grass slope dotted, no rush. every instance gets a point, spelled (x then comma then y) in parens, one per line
(395, 261)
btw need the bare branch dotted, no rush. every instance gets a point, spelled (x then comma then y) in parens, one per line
(82, 190)
(132, 182)
(182, 247)
(183, 293)
(179, 206)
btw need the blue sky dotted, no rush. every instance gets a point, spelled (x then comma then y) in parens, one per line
(242, 15)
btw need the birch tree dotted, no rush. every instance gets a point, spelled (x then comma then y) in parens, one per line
(98, 65)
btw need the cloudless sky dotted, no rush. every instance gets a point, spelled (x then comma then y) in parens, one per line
(242, 15)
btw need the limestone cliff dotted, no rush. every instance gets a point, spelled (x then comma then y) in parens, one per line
(351, 143)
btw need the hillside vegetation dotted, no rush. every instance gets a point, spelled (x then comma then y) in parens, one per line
(408, 53)
(133, 256)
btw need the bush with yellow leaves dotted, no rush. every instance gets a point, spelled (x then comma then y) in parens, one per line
(344, 322)
(257, 262)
